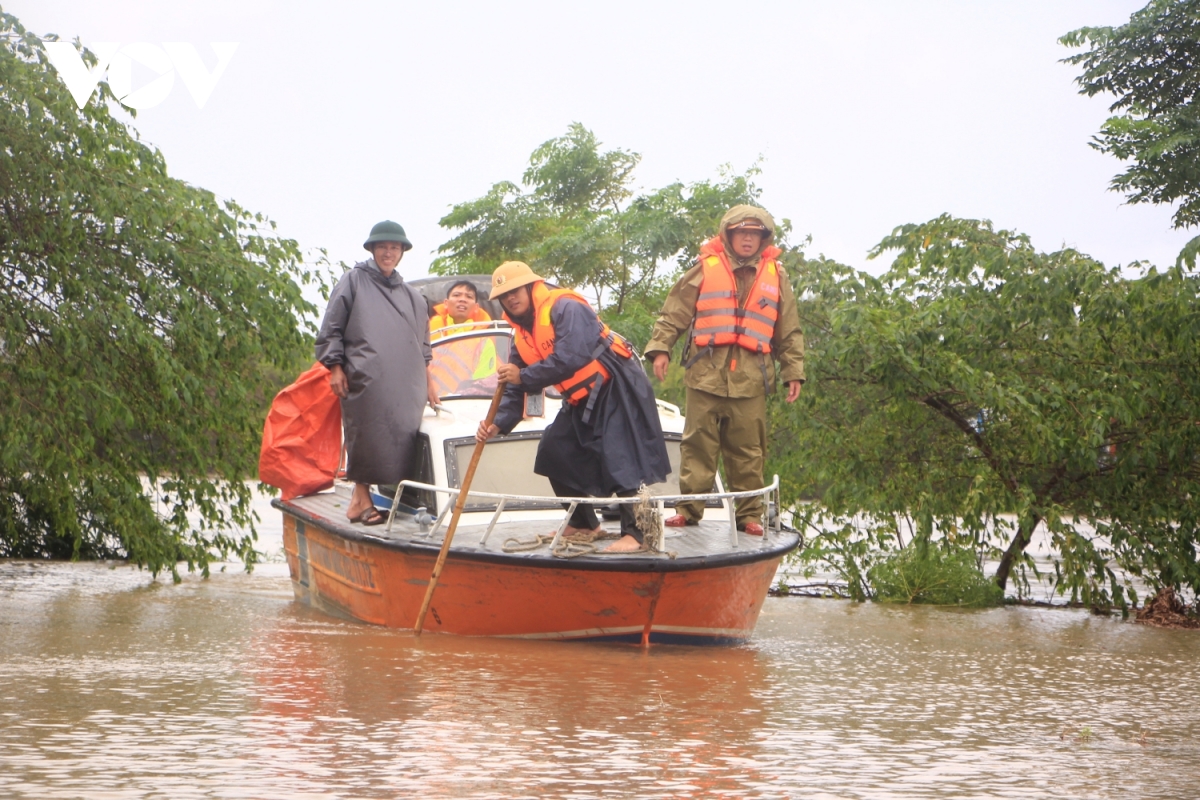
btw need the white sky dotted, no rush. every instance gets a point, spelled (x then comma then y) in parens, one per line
(332, 116)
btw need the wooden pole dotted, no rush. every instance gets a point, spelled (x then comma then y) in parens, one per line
(458, 508)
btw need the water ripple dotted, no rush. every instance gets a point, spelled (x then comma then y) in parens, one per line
(116, 686)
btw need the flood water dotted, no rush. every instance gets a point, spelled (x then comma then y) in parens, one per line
(113, 685)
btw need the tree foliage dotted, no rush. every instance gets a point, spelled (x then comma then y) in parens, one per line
(139, 317)
(576, 219)
(1151, 65)
(979, 378)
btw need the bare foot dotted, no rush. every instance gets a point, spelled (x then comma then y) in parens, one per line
(626, 544)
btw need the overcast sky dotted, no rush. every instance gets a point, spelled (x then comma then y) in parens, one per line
(868, 115)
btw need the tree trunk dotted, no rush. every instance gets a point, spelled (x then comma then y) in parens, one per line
(1017, 546)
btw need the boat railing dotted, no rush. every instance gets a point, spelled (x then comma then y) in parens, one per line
(483, 327)
(769, 492)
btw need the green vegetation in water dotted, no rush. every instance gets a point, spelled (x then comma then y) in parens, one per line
(1085, 735)
(934, 575)
(144, 326)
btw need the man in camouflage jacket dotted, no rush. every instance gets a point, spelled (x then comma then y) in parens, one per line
(727, 385)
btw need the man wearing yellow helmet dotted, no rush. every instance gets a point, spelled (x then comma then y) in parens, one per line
(606, 438)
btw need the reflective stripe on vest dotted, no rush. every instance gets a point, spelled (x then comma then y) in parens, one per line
(538, 344)
(720, 320)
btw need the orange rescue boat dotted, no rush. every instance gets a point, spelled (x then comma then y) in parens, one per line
(509, 572)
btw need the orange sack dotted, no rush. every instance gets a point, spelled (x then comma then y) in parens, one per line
(302, 440)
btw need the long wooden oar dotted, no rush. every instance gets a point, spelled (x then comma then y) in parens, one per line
(458, 508)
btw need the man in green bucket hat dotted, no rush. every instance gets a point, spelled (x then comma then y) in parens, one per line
(387, 231)
(375, 340)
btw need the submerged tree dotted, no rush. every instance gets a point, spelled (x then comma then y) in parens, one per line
(979, 378)
(138, 318)
(576, 220)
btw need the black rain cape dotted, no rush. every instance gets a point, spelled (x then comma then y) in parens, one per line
(621, 445)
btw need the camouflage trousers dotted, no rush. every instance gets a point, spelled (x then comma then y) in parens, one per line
(733, 428)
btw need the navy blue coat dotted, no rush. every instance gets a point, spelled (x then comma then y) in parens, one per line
(621, 445)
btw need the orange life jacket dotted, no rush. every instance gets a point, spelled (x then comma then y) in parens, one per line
(538, 344)
(720, 319)
(441, 319)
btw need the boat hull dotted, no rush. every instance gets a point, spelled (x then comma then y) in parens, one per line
(638, 601)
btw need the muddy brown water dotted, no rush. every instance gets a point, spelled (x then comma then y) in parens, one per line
(113, 685)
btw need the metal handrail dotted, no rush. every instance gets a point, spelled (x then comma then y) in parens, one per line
(771, 489)
(482, 327)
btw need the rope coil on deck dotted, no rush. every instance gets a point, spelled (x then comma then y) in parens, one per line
(649, 521)
(572, 545)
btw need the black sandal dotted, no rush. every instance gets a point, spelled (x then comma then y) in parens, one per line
(371, 516)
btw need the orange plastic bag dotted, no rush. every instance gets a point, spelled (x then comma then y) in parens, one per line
(302, 440)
